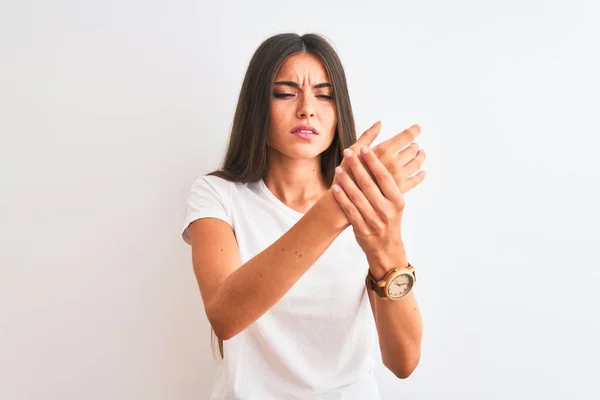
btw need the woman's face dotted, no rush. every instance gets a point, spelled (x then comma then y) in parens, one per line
(302, 96)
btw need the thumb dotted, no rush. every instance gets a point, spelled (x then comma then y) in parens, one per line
(369, 135)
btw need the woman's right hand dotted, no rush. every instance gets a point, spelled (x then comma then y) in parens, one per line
(389, 153)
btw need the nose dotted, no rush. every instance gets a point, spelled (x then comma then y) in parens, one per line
(306, 107)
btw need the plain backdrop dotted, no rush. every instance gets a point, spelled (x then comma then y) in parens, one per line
(110, 109)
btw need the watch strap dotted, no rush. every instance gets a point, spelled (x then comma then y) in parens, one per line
(372, 283)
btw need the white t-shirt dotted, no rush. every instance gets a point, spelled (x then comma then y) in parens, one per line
(317, 341)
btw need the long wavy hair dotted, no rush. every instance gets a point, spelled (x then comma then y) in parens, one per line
(247, 151)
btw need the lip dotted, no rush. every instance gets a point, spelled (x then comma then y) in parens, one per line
(304, 128)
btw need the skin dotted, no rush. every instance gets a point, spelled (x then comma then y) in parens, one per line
(374, 205)
(235, 294)
(294, 174)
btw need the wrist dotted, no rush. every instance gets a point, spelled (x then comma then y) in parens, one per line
(333, 211)
(381, 263)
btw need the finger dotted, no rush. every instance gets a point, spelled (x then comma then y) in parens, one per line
(403, 169)
(363, 178)
(367, 138)
(407, 155)
(354, 216)
(415, 164)
(384, 179)
(358, 198)
(412, 182)
(401, 140)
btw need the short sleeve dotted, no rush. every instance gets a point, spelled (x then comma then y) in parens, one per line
(207, 198)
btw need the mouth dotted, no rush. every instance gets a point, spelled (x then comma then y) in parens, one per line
(304, 130)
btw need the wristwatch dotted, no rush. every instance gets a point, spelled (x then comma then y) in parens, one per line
(396, 284)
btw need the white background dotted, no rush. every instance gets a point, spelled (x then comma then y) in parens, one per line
(110, 109)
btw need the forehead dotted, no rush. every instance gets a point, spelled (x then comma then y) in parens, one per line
(302, 66)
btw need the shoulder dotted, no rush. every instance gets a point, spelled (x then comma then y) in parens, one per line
(226, 192)
(213, 182)
(217, 187)
(210, 196)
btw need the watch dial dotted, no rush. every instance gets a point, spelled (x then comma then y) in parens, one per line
(400, 286)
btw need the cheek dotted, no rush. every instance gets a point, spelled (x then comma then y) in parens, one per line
(277, 121)
(277, 114)
(330, 117)
(273, 112)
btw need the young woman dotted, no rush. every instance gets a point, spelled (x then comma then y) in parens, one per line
(294, 297)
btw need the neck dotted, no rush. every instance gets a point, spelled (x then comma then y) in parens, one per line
(298, 183)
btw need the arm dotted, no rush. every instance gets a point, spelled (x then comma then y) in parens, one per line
(236, 295)
(374, 205)
(399, 324)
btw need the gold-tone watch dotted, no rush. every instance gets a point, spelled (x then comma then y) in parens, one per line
(396, 284)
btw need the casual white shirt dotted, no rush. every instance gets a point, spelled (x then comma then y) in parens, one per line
(317, 341)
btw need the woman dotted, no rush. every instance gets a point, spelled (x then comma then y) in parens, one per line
(282, 279)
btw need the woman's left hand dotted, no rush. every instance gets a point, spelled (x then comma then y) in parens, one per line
(374, 204)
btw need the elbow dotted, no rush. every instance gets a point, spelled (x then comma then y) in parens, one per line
(403, 367)
(222, 332)
(404, 372)
(220, 325)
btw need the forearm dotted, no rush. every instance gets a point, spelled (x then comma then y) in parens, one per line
(262, 281)
(399, 324)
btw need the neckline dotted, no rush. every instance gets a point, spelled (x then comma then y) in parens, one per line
(280, 204)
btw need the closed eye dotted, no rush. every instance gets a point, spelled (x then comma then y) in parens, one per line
(288, 95)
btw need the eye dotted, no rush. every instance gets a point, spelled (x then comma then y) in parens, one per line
(288, 95)
(282, 95)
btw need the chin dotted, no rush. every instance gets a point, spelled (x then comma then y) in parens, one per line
(298, 150)
(305, 153)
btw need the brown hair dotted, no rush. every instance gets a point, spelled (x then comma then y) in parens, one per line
(246, 156)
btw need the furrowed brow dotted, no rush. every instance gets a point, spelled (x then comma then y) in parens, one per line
(295, 85)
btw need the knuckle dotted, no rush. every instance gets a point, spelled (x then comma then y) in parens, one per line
(377, 225)
(380, 176)
(389, 215)
(382, 153)
(364, 183)
(385, 151)
(348, 208)
(414, 148)
(351, 199)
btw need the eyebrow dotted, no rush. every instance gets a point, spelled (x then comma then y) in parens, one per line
(294, 84)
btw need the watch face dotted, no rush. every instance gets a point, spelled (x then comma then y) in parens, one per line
(400, 286)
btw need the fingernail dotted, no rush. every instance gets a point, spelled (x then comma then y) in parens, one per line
(338, 170)
(336, 188)
(347, 153)
(364, 150)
